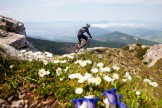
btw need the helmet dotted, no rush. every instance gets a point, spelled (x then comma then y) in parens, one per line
(87, 25)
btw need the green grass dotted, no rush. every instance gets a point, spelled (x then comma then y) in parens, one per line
(23, 76)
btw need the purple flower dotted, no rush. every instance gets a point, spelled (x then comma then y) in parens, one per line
(77, 102)
(91, 102)
(120, 103)
(120, 96)
(111, 96)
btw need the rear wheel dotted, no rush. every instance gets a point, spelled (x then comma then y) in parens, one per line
(76, 48)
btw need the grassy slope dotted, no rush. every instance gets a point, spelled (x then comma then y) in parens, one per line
(23, 78)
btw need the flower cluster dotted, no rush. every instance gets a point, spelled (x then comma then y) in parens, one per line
(42, 72)
(30, 55)
(154, 84)
(83, 63)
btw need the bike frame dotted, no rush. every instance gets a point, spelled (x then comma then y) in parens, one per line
(83, 45)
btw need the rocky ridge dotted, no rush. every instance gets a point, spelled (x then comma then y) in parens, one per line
(153, 54)
(13, 36)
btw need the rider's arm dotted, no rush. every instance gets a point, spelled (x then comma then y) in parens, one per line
(89, 33)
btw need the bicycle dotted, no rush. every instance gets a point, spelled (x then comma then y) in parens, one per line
(81, 46)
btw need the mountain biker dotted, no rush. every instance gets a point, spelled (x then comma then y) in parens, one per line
(82, 31)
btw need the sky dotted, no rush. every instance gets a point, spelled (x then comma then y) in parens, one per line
(82, 10)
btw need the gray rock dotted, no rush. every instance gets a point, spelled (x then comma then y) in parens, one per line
(153, 54)
(2, 102)
(16, 40)
(20, 104)
(10, 51)
(11, 25)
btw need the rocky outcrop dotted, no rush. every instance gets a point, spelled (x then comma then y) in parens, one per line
(12, 43)
(15, 40)
(13, 36)
(153, 54)
(11, 25)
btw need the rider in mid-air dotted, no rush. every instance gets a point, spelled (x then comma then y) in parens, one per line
(82, 31)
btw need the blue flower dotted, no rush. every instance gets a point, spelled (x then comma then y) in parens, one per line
(77, 102)
(111, 96)
(120, 96)
(91, 102)
(120, 103)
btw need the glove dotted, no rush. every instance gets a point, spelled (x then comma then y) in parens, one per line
(90, 37)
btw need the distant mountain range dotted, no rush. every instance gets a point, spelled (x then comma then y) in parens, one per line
(123, 38)
(66, 31)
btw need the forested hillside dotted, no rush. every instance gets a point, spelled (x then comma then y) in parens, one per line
(67, 47)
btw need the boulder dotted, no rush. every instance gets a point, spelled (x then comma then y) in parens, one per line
(16, 40)
(10, 51)
(11, 25)
(153, 54)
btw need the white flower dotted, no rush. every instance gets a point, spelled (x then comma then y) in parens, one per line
(63, 61)
(11, 66)
(92, 80)
(115, 76)
(61, 79)
(56, 61)
(42, 72)
(89, 96)
(82, 63)
(115, 68)
(82, 79)
(78, 90)
(106, 102)
(58, 71)
(128, 76)
(95, 81)
(100, 65)
(30, 59)
(49, 55)
(76, 75)
(76, 62)
(20, 55)
(40, 56)
(94, 70)
(138, 93)
(124, 80)
(108, 79)
(106, 69)
(45, 62)
(147, 81)
(38, 53)
(47, 72)
(87, 75)
(154, 84)
(34, 54)
(88, 62)
(68, 56)
(98, 80)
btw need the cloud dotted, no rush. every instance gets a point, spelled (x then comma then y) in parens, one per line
(109, 25)
(6, 12)
(59, 2)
